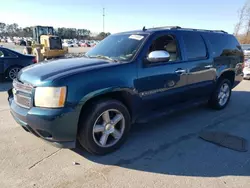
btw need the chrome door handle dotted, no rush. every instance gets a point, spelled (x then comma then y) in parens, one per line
(209, 66)
(180, 71)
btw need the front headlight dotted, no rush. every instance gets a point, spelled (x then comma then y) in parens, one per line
(50, 97)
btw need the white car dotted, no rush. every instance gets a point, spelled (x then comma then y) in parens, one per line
(246, 52)
(69, 44)
(246, 49)
(246, 70)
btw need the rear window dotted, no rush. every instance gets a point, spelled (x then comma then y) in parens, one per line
(55, 43)
(224, 45)
(194, 46)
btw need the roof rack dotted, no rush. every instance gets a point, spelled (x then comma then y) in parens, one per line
(192, 29)
(178, 27)
(165, 27)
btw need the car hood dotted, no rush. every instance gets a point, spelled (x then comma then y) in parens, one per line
(40, 73)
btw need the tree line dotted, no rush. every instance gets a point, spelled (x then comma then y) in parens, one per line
(242, 27)
(11, 30)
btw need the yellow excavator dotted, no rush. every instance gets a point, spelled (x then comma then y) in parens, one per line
(45, 44)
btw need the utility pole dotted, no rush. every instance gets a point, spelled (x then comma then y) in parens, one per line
(103, 21)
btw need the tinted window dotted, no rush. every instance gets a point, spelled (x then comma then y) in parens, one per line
(167, 43)
(224, 45)
(194, 46)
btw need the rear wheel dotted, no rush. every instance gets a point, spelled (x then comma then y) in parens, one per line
(105, 127)
(221, 95)
(12, 72)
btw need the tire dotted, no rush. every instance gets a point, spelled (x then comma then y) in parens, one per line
(92, 141)
(37, 53)
(12, 72)
(215, 102)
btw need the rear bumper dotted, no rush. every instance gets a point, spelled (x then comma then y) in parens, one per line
(57, 126)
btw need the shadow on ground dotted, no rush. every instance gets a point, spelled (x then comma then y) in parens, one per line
(5, 86)
(171, 145)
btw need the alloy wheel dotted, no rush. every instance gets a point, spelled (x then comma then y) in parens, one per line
(108, 128)
(224, 94)
(13, 73)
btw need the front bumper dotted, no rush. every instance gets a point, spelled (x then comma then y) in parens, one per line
(57, 126)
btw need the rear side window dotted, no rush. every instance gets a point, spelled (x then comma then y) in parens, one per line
(224, 45)
(194, 46)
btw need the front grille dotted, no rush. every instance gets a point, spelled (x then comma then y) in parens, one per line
(22, 101)
(22, 94)
(26, 88)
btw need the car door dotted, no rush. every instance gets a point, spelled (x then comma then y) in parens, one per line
(1, 61)
(201, 73)
(8, 59)
(162, 84)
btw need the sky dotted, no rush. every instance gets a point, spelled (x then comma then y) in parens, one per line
(122, 15)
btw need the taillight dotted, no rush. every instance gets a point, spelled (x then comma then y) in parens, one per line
(34, 60)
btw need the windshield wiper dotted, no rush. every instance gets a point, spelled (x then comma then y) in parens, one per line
(103, 57)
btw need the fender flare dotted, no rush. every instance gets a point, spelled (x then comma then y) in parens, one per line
(104, 91)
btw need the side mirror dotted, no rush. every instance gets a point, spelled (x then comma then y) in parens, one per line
(158, 56)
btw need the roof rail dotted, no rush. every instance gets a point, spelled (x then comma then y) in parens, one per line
(217, 31)
(191, 29)
(166, 27)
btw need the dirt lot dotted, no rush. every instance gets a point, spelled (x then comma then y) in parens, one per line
(163, 153)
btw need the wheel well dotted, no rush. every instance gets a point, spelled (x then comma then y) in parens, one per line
(229, 75)
(122, 96)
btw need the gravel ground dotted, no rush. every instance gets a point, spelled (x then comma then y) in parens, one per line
(163, 153)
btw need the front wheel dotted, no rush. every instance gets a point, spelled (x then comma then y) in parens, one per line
(105, 127)
(221, 95)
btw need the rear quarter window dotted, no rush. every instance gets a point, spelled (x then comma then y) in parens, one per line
(224, 45)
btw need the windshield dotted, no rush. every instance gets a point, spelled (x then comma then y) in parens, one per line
(121, 47)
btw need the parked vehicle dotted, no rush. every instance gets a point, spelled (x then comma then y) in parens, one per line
(85, 44)
(129, 77)
(246, 69)
(69, 44)
(20, 42)
(4, 40)
(9, 40)
(246, 49)
(11, 62)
